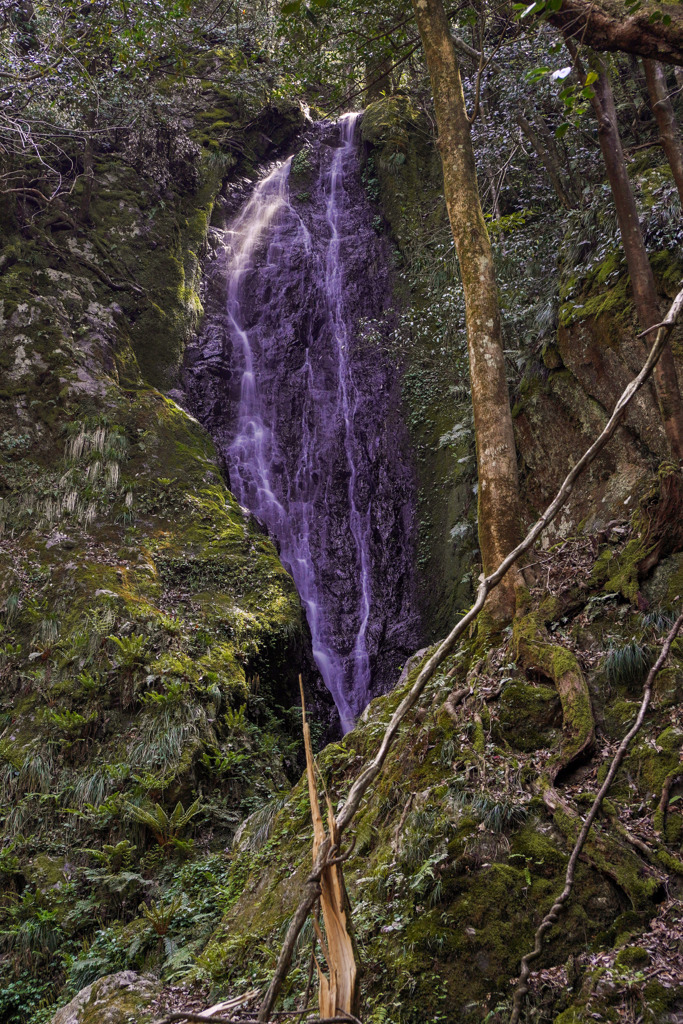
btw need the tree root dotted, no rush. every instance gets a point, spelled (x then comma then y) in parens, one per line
(116, 286)
(451, 702)
(535, 650)
(397, 832)
(551, 917)
(659, 857)
(489, 583)
(663, 805)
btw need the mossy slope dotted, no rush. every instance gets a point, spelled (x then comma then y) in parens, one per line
(150, 638)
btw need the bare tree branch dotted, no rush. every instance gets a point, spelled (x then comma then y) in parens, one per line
(370, 773)
(551, 917)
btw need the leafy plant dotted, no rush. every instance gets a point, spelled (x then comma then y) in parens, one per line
(160, 915)
(175, 692)
(89, 684)
(228, 762)
(115, 858)
(495, 815)
(165, 828)
(627, 665)
(71, 724)
(131, 649)
(20, 995)
(236, 719)
(11, 606)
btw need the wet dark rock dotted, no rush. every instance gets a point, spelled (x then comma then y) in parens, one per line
(315, 443)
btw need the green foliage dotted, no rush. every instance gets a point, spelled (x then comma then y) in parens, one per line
(165, 828)
(107, 953)
(235, 719)
(627, 665)
(496, 815)
(175, 692)
(229, 763)
(22, 995)
(11, 607)
(131, 650)
(117, 857)
(70, 723)
(160, 915)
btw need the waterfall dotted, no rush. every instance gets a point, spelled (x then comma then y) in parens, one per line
(307, 412)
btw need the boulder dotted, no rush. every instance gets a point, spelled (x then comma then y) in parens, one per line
(114, 999)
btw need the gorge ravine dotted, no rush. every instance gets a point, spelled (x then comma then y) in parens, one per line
(291, 375)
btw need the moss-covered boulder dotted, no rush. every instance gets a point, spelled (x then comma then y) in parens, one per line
(530, 716)
(115, 999)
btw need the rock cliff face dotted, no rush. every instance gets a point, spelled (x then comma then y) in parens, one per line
(456, 854)
(291, 376)
(150, 638)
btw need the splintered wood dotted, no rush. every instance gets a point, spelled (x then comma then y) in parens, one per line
(336, 989)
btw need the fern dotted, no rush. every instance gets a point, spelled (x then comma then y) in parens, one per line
(258, 826)
(179, 963)
(131, 649)
(236, 720)
(161, 915)
(165, 828)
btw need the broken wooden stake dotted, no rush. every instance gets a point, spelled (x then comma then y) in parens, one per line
(336, 989)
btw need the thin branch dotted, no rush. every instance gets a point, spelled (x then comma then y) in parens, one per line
(370, 773)
(663, 804)
(308, 901)
(477, 90)
(551, 917)
(488, 583)
(368, 85)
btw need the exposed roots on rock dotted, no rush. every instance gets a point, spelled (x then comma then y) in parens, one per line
(659, 857)
(663, 805)
(551, 917)
(662, 529)
(451, 702)
(536, 651)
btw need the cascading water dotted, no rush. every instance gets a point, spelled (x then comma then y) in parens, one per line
(306, 410)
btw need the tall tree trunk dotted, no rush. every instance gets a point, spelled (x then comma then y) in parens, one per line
(88, 168)
(666, 120)
(640, 271)
(549, 159)
(377, 79)
(499, 519)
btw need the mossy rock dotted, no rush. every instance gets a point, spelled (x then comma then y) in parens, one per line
(114, 999)
(530, 716)
(618, 571)
(650, 767)
(632, 956)
(538, 850)
(671, 740)
(618, 716)
(665, 584)
(387, 120)
(660, 1003)
(673, 830)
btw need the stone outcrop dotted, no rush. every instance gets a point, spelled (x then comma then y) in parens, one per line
(114, 999)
